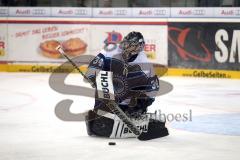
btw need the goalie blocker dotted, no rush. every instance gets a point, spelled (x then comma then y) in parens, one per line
(108, 120)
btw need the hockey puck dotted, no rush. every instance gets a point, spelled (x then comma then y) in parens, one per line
(111, 143)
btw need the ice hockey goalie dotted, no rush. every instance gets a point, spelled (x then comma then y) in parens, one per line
(135, 86)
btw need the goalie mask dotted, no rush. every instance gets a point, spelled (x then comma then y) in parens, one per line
(131, 45)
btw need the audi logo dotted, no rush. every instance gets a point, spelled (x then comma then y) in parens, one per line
(39, 12)
(3, 11)
(81, 12)
(238, 12)
(199, 12)
(160, 12)
(120, 12)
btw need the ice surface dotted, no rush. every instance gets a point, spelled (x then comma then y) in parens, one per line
(30, 130)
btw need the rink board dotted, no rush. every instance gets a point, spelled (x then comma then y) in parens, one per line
(204, 73)
(170, 41)
(28, 40)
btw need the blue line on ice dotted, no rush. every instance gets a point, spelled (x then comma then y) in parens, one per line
(221, 124)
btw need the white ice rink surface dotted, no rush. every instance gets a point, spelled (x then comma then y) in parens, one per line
(30, 130)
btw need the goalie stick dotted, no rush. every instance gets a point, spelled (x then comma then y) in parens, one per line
(111, 104)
